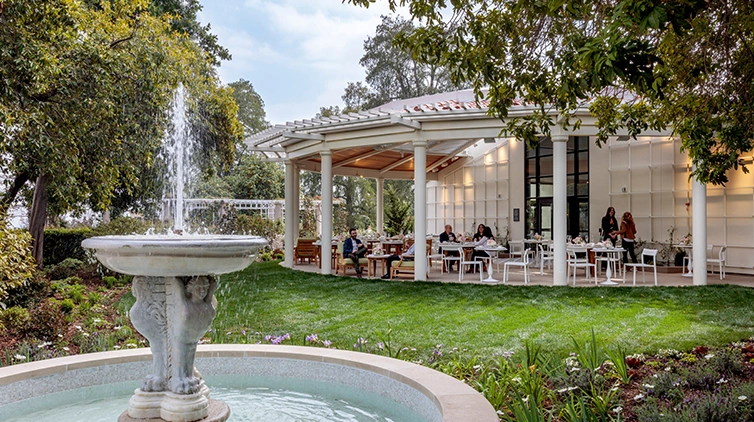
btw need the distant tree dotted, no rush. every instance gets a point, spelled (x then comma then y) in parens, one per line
(328, 111)
(250, 107)
(252, 178)
(311, 183)
(399, 218)
(392, 72)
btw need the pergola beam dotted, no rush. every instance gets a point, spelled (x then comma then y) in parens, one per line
(451, 155)
(398, 120)
(305, 136)
(397, 163)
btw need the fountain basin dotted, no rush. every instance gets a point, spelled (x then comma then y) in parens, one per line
(175, 255)
(435, 396)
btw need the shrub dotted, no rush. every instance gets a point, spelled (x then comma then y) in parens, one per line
(28, 294)
(60, 244)
(67, 306)
(109, 281)
(65, 269)
(15, 318)
(46, 320)
(16, 262)
(76, 293)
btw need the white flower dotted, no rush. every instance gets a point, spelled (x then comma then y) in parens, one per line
(566, 389)
(19, 357)
(85, 334)
(638, 397)
(617, 409)
(131, 346)
(78, 327)
(742, 398)
(722, 381)
(516, 379)
(116, 347)
(709, 356)
(648, 386)
(117, 327)
(66, 348)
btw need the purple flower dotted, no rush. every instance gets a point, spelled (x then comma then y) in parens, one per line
(312, 338)
(267, 337)
(327, 343)
(380, 345)
(243, 332)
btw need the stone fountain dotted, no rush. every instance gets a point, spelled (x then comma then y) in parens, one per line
(174, 281)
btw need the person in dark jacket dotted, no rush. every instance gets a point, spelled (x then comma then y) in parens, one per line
(353, 248)
(610, 226)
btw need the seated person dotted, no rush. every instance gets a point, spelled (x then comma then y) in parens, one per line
(448, 236)
(353, 248)
(393, 258)
(481, 240)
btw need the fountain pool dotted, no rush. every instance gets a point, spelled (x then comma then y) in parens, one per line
(359, 386)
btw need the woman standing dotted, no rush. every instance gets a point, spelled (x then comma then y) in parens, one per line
(609, 225)
(628, 233)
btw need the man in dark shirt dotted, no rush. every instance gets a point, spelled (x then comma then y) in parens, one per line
(448, 236)
(353, 248)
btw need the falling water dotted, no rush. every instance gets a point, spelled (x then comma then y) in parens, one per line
(178, 146)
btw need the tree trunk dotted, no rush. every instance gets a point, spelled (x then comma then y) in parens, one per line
(10, 194)
(38, 218)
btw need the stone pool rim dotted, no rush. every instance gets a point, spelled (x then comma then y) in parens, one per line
(455, 400)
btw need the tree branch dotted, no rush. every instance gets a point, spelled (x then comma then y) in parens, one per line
(10, 194)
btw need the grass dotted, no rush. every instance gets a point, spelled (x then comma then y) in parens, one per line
(267, 299)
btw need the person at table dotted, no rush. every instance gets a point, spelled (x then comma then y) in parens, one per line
(481, 241)
(407, 256)
(610, 226)
(479, 233)
(447, 237)
(354, 249)
(628, 234)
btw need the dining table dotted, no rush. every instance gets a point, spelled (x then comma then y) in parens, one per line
(616, 254)
(493, 252)
(393, 247)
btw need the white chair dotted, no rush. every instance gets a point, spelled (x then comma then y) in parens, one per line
(719, 261)
(516, 250)
(447, 260)
(524, 263)
(545, 254)
(432, 253)
(477, 265)
(575, 263)
(646, 253)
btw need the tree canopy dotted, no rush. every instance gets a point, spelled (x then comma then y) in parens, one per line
(84, 94)
(250, 107)
(682, 64)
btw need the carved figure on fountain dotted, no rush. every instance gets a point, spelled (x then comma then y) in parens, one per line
(191, 314)
(148, 317)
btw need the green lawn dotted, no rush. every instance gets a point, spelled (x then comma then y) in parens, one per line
(271, 300)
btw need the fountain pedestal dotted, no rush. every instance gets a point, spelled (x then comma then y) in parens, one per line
(175, 306)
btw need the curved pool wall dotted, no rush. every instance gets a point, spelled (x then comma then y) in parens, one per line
(434, 395)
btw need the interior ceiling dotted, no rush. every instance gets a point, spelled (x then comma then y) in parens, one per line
(382, 157)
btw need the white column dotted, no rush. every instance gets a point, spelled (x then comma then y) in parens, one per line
(380, 204)
(296, 200)
(559, 204)
(420, 209)
(699, 231)
(326, 237)
(289, 230)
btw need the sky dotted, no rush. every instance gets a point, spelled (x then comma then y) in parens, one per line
(298, 54)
